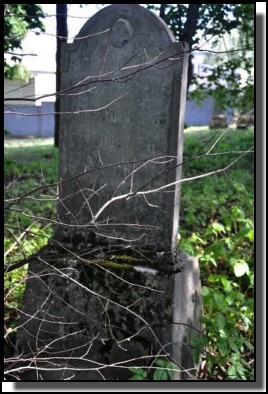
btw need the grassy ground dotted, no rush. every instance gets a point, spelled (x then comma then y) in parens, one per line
(216, 224)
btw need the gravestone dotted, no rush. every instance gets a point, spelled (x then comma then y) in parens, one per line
(111, 291)
(218, 121)
(123, 128)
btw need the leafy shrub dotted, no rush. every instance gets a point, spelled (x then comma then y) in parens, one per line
(216, 224)
(217, 216)
(162, 370)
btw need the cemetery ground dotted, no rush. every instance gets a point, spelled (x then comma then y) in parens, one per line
(216, 225)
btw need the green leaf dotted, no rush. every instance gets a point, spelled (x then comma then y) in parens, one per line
(229, 299)
(223, 348)
(233, 261)
(161, 362)
(137, 377)
(233, 345)
(138, 371)
(219, 228)
(241, 269)
(250, 235)
(220, 320)
(249, 345)
(226, 284)
(238, 213)
(139, 374)
(205, 290)
(161, 374)
(229, 243)
(232, 374)
(241, 372)
(218, 299)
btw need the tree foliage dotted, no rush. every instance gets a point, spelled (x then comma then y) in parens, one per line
(230, 30)
(18, 20)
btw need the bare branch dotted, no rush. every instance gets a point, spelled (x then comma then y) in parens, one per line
(21, 54)
(164, 187)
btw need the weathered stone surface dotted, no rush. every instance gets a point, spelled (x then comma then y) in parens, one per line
(186, 317)
(123, 127)
(81, 312)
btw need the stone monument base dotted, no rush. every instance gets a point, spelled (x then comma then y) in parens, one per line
(93, 314)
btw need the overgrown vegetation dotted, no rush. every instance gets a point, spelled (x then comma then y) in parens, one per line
(28, 165)
(162, 369)
(216, 224)
(229, 75)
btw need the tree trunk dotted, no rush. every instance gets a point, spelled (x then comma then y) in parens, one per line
(162, 10)
(62, 33)
(188, 35)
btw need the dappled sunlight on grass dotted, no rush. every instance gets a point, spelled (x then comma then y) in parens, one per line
(27, 142)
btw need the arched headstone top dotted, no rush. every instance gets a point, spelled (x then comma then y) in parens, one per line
(144, 23)
(116, 37)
